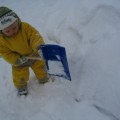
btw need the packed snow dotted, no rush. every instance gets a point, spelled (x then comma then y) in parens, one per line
(90, 32)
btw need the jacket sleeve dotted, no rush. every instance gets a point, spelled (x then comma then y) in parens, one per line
(8, 55)
(34, 37)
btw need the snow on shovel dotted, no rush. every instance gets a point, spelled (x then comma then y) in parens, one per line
(56, 60)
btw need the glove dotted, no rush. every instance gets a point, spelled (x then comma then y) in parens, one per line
(21, 60)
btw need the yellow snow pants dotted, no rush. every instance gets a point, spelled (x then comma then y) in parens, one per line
(21, 74)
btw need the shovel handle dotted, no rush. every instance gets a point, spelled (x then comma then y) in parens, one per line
(34, 58)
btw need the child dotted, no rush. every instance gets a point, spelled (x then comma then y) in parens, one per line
(18, 41)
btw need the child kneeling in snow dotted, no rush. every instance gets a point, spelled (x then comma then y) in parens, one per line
(18, 41)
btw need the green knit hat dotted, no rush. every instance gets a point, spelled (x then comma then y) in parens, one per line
(7, 17)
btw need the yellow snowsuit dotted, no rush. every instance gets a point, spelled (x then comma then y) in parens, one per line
(24, 43)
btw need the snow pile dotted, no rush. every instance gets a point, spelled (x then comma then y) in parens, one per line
(89, 30)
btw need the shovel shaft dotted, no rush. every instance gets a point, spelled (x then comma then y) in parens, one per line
(34, 58)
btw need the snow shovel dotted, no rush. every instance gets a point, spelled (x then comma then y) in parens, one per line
(56, 60)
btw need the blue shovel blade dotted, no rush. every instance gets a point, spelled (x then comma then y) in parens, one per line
(56, 53)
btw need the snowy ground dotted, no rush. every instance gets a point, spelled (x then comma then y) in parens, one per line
(90, 32)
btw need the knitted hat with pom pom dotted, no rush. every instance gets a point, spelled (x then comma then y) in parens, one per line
(7, 17)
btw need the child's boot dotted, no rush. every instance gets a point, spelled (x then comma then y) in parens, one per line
(43, 80)
(22, 91)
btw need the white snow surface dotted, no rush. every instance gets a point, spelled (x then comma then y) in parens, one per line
(90, 32)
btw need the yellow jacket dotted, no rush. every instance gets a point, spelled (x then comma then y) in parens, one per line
(25, 42)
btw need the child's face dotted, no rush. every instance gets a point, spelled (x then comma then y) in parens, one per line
(12, 30)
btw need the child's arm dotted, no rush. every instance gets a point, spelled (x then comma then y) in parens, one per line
(35, 39)
(8, 55)
(11, 57)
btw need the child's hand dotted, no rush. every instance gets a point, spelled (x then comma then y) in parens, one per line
(23, 59)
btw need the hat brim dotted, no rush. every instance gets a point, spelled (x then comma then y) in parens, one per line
(7, 21)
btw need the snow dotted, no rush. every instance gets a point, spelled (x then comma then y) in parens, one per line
(56, 67)
(89, 30)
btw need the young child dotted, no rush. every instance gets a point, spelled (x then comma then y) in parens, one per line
(18, 41)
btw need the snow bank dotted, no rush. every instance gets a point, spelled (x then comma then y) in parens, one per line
(89, 30)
